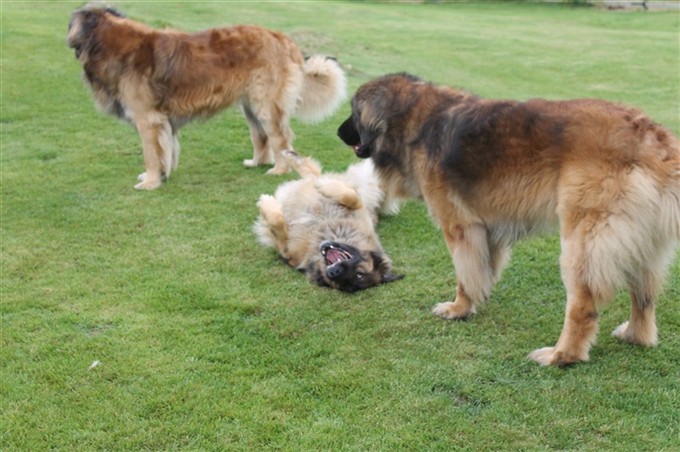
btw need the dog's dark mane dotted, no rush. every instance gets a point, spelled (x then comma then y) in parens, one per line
(467, 136)
(478, 138)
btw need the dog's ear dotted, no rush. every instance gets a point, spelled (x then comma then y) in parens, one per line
(81, 28)
(85, 20)
(391, 277)
(114, 12)
(384, 266)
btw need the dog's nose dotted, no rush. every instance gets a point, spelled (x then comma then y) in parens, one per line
(335, 271)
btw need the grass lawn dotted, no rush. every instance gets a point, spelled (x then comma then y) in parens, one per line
(206, 340)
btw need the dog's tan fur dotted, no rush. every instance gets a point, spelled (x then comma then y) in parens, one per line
(161, 79)
(338, 208)
(492, 172)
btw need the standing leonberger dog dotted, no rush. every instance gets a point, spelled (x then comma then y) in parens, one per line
(161, 79)
(492, 172)
(324, 225)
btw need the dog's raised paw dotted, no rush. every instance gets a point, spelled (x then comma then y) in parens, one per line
(267, 202)
(328, 187)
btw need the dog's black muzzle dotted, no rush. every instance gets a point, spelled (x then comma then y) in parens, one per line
(349, 134)
(341, 264)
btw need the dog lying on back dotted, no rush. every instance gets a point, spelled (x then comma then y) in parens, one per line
(324, 225)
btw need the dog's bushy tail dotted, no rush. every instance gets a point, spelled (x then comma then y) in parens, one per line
(636, 242)
(323, 89)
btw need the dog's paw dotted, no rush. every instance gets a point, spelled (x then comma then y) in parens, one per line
(148, 184)
(621, 332)
(453, 310)
(250, 163)
(278, 170)
(267, 202)
(329, 188)
(142, 177)
(290, 154)
(339, 192)
(543, 356)
(626, 333)
(550, 356)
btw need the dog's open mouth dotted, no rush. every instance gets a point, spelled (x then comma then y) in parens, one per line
(334, 254)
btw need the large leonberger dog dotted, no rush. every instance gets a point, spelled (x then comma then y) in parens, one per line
(324, 225)
(492, 172)
(161, 79)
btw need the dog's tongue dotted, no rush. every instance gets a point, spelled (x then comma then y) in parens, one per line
(333, 256)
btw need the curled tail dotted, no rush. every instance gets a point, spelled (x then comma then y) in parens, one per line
(324, 88)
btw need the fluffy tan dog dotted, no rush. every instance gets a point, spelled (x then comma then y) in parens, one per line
(324, 225)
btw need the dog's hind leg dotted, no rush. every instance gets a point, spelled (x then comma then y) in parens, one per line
(499, 256)
(270, 130)
(641, 328)
(644, 287)
(262, 153)
(584, 273)
(471, 254)
(281, 138)
(176, 148)
(578, 332)
(157, 144)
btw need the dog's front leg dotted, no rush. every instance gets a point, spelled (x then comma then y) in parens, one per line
(339, 192)
(469, 250)
(153, 154)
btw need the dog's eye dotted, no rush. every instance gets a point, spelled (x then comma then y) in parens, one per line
(359, 275)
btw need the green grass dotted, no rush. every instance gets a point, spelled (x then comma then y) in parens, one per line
(208, 341)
